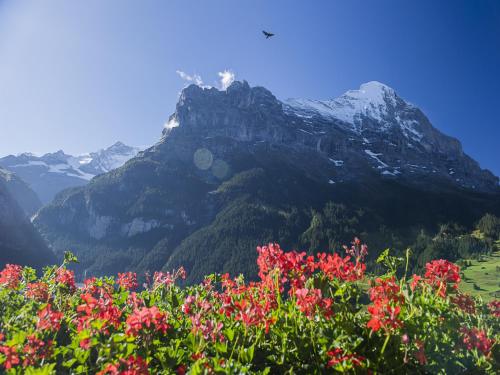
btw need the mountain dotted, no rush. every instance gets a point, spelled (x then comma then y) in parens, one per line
(238, 168)
(20, 243)
(53, 172)
(393, 135)
(21, 192)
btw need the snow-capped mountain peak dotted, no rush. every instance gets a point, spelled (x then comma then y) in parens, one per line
(372, 99)
(374, 106)
(53, 172)
(107, 159)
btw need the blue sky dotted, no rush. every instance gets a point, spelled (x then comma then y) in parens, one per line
(80, 75)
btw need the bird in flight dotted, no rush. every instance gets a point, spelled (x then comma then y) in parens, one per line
(267, 34)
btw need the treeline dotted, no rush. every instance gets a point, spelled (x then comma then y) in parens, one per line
(332, 227)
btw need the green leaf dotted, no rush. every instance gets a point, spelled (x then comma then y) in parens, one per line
(229, 333)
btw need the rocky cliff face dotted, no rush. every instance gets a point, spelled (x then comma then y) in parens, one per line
(238, 167)
(370, 127)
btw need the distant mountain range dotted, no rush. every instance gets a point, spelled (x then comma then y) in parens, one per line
(51, 173)
(237, 168)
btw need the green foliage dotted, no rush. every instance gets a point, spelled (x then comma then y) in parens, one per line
(489, 225)
(306, 315)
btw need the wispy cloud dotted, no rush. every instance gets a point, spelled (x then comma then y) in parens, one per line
(195, 78)
(226, 78)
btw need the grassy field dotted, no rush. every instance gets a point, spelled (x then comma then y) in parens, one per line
(482, 277)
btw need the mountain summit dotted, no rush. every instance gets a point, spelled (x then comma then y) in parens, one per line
(238, 168)
(371, 126)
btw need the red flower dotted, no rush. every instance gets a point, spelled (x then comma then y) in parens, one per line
(127, 281)
(49, 320)
(11, 356)
(181, 370)
(420, 353)
(90, 285)
(252, 305)
(384, 316)
(474, 338)
(357, 250)
(66, 277)
(10, 276)
(36, 350)
(131, 366)
(210, 328)
(186, 307)
(167, 278)
(269, 259)
(38, 291)
(336, 267)
(414, 282)
(337, 356)
(386, 291)
(310, 300)
(85, 344)
(146, 318)
(441, 274)
(134, 300)
(386, 297)
(465, 303)
(94, 309)
(494, 307)
(162, 278)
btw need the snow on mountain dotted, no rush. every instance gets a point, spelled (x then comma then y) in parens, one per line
(53, 172)
(106, 160)
(373, 100)
(85, 166)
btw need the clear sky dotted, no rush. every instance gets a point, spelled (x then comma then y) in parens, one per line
(80, 75)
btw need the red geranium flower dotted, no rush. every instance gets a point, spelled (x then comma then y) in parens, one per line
(415, 280)
(386, 297)
(66, 277)
(494, 307)
(98, 309)
(475, 338)
(127, 280)
(357, 250)
(49, 320)
(465, 303)
(36, 350)
(130, 366)
(310, 300)
(38, 291)
(336, 267)
(337, 356)
(146, 318)
(420, 353)
(441, 274)
(11, 356)
(10, 276)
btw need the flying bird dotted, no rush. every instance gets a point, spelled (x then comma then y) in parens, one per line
(267, 34)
